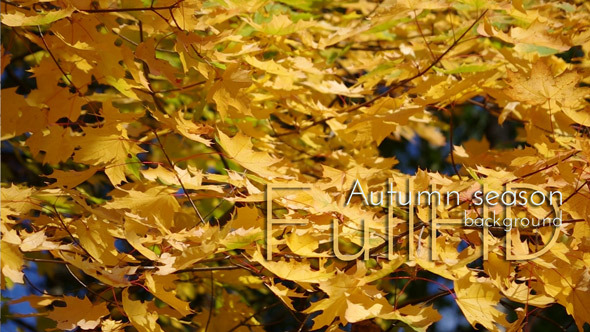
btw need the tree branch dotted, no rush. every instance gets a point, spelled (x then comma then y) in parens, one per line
(396, 85)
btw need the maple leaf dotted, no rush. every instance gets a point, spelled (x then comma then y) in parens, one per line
(349, 299)
(163, 204)
(157, 285)
(78, 313)
(294, 271)
(58, 144)
(578, 302)
(193, 131)
(537, 37)
(417, 317)
(12, 262)
(20, 19)
(281, 25)
(71, 179)
(244, 229)
(478, 299)
(109, 146)
(240, 149)
(139, 315)
(542, 87)
(140, 142)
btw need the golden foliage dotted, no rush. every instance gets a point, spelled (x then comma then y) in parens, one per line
(155, 126)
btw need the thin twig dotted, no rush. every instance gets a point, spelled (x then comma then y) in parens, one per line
(186, 194)
(209, 268)
(86, 286)
(452, 145)
(254, 314)
(424, 37)
(212, 303)
(542, 168)
(124, 10)
(396, 85)
(70, 233)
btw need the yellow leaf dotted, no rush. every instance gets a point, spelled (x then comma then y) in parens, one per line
(57, 143)
(158, 286)
(193, 131)
(349, 300)
(12, 262)
(109, 146)
(19, 18)
(123, 86)
(114, 276)
(244, 230)
(240, 149)
(162, 204)
(71, 179)
(139, 316)
(293, 270)
(109, 325)
(416, 316)
(281, 25)
(541, 87)
(478, 299)
(579, 302)
(78, 313)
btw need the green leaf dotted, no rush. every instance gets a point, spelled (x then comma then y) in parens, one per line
(18, 19)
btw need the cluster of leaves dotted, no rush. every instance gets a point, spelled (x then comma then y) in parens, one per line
(145, 132)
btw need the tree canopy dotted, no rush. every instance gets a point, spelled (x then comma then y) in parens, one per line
(139, 138)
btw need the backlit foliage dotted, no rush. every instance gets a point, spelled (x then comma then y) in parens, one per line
(145, 133)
